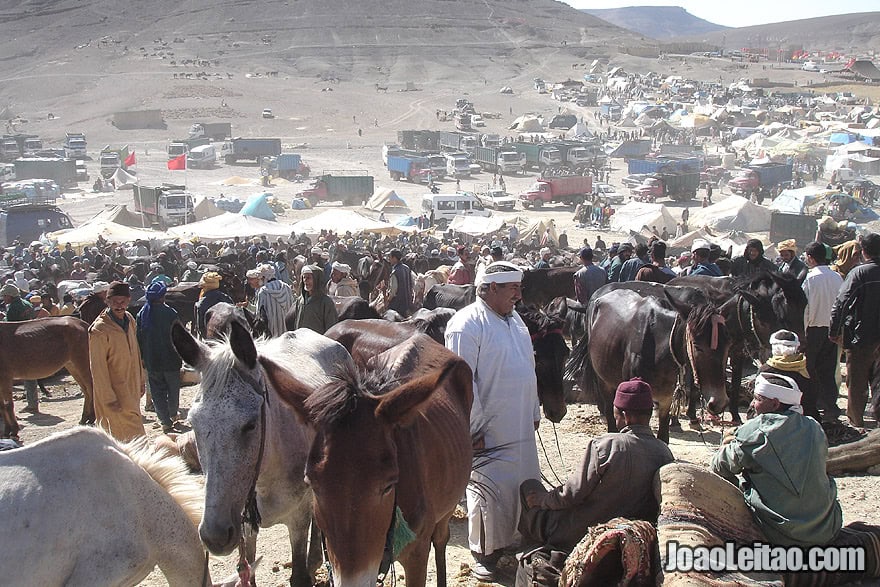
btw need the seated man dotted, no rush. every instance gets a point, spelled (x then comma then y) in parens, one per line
(615, 478)
(780, 456)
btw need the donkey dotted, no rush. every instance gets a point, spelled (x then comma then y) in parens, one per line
(250, 442)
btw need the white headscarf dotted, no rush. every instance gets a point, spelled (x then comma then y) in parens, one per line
(786, 395)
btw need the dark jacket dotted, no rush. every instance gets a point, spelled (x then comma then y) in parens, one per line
(856, 313)
(19, 310)
(157, 351)
(214, 296)
(402, 299)
(315, 311)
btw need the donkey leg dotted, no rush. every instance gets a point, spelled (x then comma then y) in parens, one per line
(663, 409)
(298, 531)
(81, 372)
(736, 372)
(440, 539)
(415, 563)
(7, 410)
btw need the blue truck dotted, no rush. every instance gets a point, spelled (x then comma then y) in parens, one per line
(413, 169)
(665, 164)
(285, 165)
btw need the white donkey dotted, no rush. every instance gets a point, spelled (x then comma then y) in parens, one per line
(248, 439)
(79, 508)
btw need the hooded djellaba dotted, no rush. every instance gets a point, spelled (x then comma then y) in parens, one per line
(752, 260)
(315, 309)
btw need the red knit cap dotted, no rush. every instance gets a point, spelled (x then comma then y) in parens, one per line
(634, 394)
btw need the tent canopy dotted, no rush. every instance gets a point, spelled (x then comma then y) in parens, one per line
(733, 213)
(342, 221)
(797, 200)
(229, 225)
(476, 225)
(385, 198)
(88, 233)
(635, 215)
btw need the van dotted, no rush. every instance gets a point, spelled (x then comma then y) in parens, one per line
(443, 208)
(27, 222)
(458, 165)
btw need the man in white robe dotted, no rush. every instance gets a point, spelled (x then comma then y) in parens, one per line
(495, 342)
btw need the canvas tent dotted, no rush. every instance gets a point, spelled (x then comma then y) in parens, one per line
(258, 207)
(88, 233)
(122, 178)
(205, 208)
(385, 198)
(527, 228)
(796, 201)
(229, 225)
(342, 221)
(120, 214)
(635, 215)
(476, 225)
(732, 213)
(527, 123)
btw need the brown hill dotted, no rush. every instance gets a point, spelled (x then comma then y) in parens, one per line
(843, 32)
(656, 22)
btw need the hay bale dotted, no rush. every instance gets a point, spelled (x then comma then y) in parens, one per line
(699, 508)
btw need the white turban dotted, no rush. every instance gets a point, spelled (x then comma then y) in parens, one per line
(253, 274)
(267, 271)
(341, 267)
(307, 269)
(786, 395)
(782, 347)
(100, 287)
(545, 251)
(513, 274)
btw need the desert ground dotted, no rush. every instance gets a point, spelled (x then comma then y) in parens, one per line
(320, 119)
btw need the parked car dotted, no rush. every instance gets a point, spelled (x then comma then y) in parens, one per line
(608, 193)
(267, 113)
(497, 200)
(477, 120)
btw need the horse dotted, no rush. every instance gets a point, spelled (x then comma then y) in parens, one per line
(392, 450)
(251, 445)
(633, 336)
(573, 315)
(219, 318)
(354, 308)
(35, 349)
(551, 354)
(763, 303)
(539, 286)
(149, 510)
(448, 295)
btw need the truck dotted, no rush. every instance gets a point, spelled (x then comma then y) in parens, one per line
(30, 146)
(26, 217)
(164, 205)
(611, 110)
(112, 159)
(411, 168)
(286, 166)
(239, 149)
(568, 189)
(664, 164)
(499, 159)
(178, 147)
(576, 154)
(216, 131)
(75, 145)
(457, 141)
(419, 140)
(539, 155)
(756, 177)
(458, 165)
(490, 140)
(61, 171)
(675, 186)
(202, 157)
(351, 187)
(463, 121)
(9, 150)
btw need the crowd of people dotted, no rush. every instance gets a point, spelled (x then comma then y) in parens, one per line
(289, 284)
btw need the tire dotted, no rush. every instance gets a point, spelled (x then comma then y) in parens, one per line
(525, 205)
(538, 203)
(313, 201)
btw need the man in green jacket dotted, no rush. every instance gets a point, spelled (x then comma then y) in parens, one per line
(314, 309)
(780, 458)
(161, 361)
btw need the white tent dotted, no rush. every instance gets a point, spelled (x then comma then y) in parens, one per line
(795, 201)
(635, 215)
(732, 213)
(385, 198)
(476, 225)
(578, 130)
(527, 123)
(230, 225)
(88, 233)
(205, 208)
(341, 221)
(123, 178)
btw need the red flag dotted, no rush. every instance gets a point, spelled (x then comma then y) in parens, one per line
(178, 162)
(129, 161)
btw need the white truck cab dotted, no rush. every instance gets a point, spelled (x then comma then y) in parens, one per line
(443, 208)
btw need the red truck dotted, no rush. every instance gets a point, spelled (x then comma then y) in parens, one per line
(760, 176)
(569, 189)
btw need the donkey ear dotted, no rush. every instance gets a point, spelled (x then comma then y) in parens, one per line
(682, 299)
(190, 350)
(401, 406)
(290, 389)
(242, 345)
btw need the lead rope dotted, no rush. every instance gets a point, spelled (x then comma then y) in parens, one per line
(547, 458)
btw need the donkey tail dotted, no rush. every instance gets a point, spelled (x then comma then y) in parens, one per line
(170, 472)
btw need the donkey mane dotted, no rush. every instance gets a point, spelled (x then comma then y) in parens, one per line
(700, 317)
(331, 404)
(170, 472)
(789, 289)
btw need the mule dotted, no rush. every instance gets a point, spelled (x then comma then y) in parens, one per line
(219, 318)
(763, 303)
(82, 509)
(633, 336)
(390, 446)
(551, 355)
(448, 295)
(35, 349)
(540, 286)
(573, 315)
(251, 442)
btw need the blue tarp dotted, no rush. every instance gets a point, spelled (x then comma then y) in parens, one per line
(257, 207)
(842, 138)
(406, 221)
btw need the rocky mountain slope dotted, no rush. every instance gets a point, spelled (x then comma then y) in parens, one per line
(657, 22)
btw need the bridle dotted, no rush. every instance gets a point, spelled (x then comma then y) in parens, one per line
(250, 515)
(747, 326)
(689, 344)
